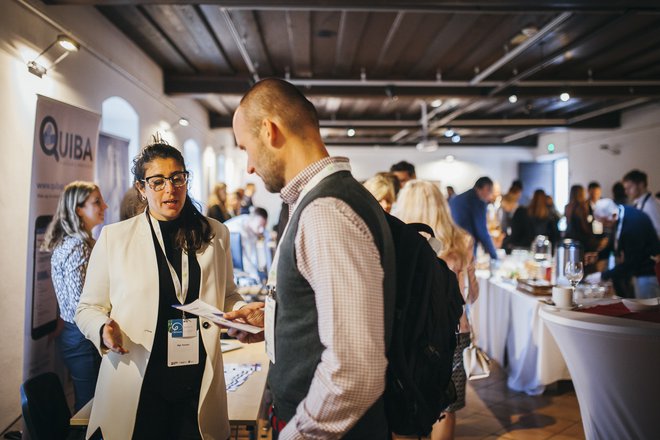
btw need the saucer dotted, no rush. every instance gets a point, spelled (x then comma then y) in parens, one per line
(549, 302)
(641, 305)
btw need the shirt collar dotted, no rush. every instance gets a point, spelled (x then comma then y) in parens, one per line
(292, 190)
(640, 199)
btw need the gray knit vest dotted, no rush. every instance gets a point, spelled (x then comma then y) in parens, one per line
(297, 344)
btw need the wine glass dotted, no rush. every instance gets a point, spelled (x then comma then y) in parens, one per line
(574, 271)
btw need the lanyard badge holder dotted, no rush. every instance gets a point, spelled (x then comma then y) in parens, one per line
(182, 334)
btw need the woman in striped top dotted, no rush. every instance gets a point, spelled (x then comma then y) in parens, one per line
(69, 238)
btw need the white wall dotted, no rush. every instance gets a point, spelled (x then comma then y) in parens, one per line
(638, 141)
(113, 67)
(470, 163)
(500, 164)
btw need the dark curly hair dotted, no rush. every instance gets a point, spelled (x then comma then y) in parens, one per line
(194, 230)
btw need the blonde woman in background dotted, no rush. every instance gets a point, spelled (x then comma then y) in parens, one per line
(422, 202)
(234, 203)
(69, 238)
(218, 203)
(382, 189)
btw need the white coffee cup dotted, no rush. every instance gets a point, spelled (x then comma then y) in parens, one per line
(562, 296)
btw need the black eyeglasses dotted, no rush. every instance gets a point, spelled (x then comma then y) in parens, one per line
(157, 183)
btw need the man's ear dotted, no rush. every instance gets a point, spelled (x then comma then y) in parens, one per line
(272, 133)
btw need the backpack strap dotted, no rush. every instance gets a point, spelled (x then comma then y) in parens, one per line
(423, 227)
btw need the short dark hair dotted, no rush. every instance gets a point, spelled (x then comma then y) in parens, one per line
(403, 166)
(194, 229)
(261, 212)
(636, 176)
(483, 181)
(516, 185)
(593, 185)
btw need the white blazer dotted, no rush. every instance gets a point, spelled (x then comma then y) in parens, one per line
(122, 282)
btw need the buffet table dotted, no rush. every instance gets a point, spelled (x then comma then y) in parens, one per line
(614, 363)
(509, 329)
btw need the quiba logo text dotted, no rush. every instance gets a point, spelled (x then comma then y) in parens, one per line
(62, 145)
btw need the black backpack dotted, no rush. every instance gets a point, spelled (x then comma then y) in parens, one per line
(427, 309)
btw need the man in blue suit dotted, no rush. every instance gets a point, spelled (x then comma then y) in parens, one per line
(634, 244)
(469, 212)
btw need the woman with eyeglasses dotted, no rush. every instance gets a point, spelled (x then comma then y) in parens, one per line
(162, 373)
(69, 238)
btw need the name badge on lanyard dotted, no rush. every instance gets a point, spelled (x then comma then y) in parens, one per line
(271, 303)
(182, 334)
(182, 342)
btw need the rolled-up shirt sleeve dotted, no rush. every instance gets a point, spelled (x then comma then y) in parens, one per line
(336, 254)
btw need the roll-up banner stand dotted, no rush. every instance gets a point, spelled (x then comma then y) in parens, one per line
(64, 150)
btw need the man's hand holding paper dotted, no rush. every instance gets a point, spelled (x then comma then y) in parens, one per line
(253, 315)
(229, 319)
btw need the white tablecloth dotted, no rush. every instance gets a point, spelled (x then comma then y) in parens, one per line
(509, 329)
(615, 365)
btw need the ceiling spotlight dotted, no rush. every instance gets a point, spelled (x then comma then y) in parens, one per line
(449, 132)
(513, 99)
(184, 122)
(350, 132)
(390, 93)
(456, 138)
(450, 157)
(564, 96)
(68, 43)
(436, 103)
(524, 34)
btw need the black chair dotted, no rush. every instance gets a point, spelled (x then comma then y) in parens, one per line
(45, 411)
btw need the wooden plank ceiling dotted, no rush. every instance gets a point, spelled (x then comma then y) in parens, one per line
(372, 65)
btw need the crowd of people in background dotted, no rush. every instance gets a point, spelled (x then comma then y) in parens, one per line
(330, 275)
(614, 251)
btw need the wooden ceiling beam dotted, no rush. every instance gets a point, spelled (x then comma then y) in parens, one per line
(195, 84)
(464, 6)
(218, 120)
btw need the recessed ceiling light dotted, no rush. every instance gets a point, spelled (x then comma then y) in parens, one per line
(350, 132)
(436, 103)
(456, 138)
(513, 99)
(565, 96)
(449, 132)
(184, 122)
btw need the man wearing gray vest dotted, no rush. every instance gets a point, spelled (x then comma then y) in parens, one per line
(332, 274)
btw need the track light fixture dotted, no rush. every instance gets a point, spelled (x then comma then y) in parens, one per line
(166, 126)
(66, 43)
(391, 93)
